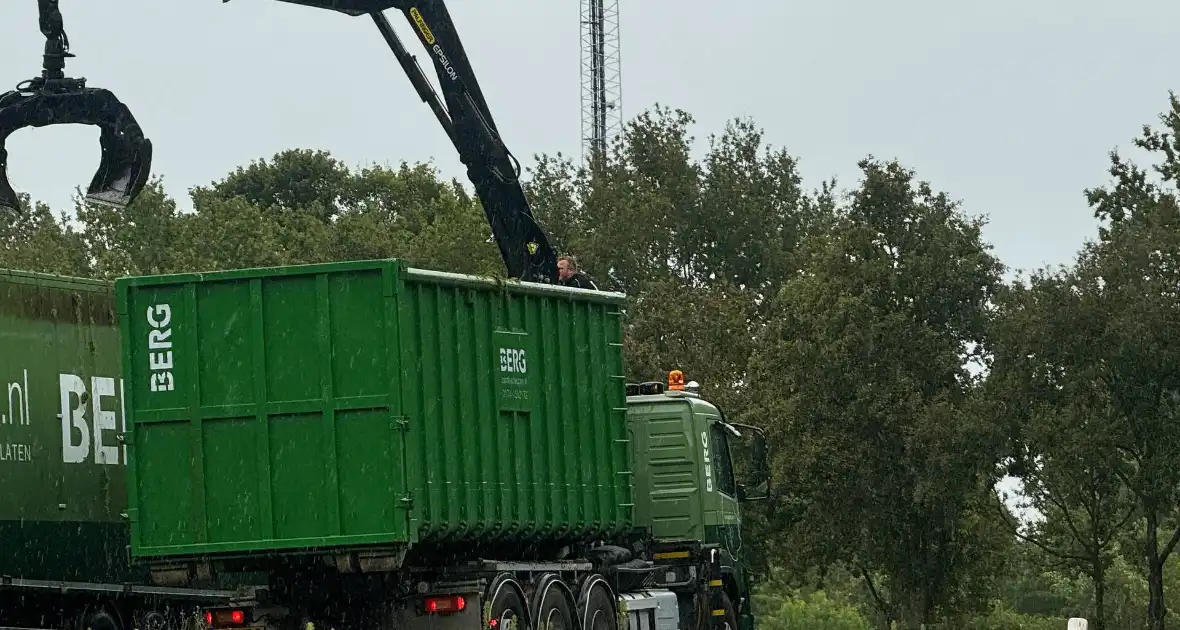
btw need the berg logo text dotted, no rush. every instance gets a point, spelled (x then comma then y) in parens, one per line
(159, 316)
(513, 360)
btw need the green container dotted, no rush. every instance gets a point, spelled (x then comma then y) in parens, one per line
(367, 403)
(61, 413)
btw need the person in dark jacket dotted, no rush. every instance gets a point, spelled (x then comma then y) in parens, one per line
(568, 274)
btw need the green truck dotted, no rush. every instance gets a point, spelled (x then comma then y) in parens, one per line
(400, 448)
(64, 539)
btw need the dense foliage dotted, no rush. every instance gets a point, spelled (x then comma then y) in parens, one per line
(870, 331)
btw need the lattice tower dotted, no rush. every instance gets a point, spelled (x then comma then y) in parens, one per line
(602, 107)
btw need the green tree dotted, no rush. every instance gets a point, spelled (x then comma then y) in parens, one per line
(418, 216)
(815, 612)
(650, 212)
(296, 179)
(231, 233)
(300, 207)
(833, 605)
(698, 245)
(321, 210)
(863, 370)
(1043, 383)
(36, 240)
(1131, 274)
(140, 239)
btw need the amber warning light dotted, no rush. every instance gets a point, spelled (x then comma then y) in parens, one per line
(676, 380)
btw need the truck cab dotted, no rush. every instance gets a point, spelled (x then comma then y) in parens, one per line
(692, 472)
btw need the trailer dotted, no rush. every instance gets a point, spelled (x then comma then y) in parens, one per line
(64, 538)
(403, 448)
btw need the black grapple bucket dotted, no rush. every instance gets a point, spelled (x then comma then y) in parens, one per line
(126, 154)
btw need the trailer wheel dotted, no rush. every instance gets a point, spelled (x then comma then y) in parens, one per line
(597, 607)
(157, 619)
(554, 612)
(97, 617)
(507, 611)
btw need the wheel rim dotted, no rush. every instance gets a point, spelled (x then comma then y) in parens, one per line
(599, 621)
(554, 620)
(506, 620)
(101, 620)
(154, 620)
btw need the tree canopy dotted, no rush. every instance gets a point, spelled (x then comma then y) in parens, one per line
(869, 330)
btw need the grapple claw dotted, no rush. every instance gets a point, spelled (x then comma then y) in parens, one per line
(122, 171)
(126, 154)
(8, 199)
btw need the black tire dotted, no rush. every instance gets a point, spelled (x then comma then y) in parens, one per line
(158, 618)
(98, 617)
(731, 622)
(507, 611)
(704, 612)
(554, 611)
(597, 612)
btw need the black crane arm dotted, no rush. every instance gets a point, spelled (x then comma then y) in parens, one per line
(126, 159)
(467, 120)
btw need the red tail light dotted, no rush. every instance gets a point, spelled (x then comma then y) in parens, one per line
(225, 618)
(447, 604)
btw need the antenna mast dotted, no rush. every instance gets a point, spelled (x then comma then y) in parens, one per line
(602, 107)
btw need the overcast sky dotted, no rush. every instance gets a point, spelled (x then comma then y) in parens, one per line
(1011, 106)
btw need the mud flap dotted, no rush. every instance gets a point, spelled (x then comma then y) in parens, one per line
(126, 154)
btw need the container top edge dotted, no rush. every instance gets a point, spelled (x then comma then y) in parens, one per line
(39, 278)
(247, 273)
(448, 277)
(411, 273)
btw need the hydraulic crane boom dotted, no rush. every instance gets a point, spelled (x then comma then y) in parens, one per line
(527, 252)
(524, 246)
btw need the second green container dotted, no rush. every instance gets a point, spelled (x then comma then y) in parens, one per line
(367, 403)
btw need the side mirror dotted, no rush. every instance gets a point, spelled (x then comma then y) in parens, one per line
(756, 487)
(759, 492)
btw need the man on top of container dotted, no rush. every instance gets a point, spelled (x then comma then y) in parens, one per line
(568, 274)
